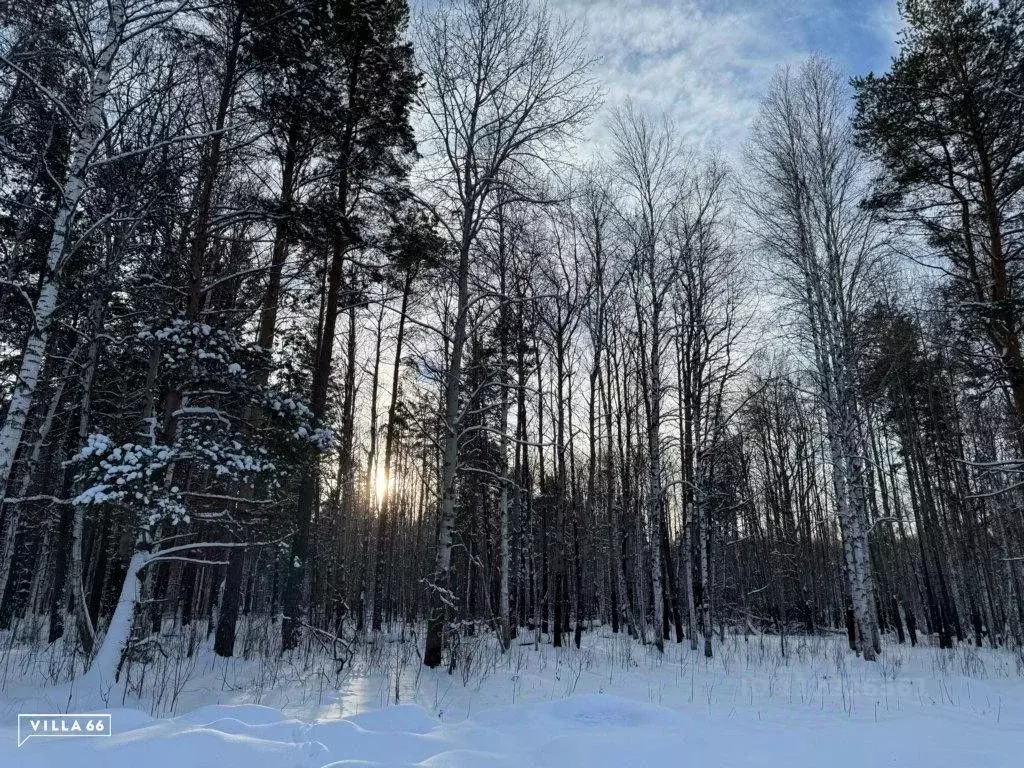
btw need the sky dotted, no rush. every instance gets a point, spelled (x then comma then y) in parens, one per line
(706, 63)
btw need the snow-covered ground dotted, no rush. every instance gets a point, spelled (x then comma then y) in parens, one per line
(613, 703)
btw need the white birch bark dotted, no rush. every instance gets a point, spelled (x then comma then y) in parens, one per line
(654, 490)
(76, 574)
(826, 305)
(811, 177)
(449, 468)
(14, 518)
(89, 133)
(691, 604)
(705, 571)
(103, 670)
(504, 505)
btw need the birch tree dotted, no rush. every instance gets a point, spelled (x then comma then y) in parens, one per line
(809, 182)
(106, 28)
(505, 82)
(649, 160)
(709, 323)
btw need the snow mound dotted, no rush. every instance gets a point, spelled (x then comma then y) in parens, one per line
(409, 718)
(130, 719)
(460, 758)
(167, 745)
(250, 714)
(347, 740)
(282, 730)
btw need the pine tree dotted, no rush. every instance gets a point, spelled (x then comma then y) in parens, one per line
(945, 124)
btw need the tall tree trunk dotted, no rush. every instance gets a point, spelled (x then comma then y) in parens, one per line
(376, 497)
(654, 480)
(440, 593)
(90, 132)
(296, 589)
(7, 550)
(72, 516)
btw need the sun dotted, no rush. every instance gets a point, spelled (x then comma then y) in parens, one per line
(381, 484)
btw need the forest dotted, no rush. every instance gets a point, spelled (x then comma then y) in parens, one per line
(328, 321)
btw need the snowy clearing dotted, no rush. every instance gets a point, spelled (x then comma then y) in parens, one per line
(613, 703)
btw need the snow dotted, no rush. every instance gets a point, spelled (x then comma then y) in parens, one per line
(613, 703)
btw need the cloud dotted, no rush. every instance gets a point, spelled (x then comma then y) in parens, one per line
(706, 63)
